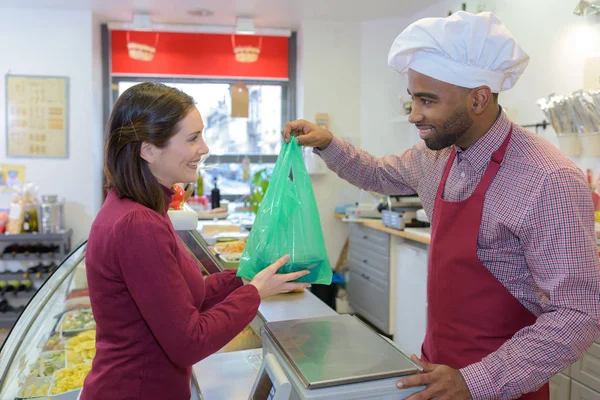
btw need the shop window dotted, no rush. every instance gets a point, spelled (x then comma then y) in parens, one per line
(231, 140)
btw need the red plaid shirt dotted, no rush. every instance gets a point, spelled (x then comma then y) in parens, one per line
(536, 237)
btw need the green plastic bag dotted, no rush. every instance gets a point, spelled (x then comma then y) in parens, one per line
(288, 222)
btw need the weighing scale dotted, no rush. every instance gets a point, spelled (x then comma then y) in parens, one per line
(333, 358)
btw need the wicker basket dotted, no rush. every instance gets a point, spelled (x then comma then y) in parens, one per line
(246, 54)
(140, 51)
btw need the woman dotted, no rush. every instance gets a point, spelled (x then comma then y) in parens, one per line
(156, 316)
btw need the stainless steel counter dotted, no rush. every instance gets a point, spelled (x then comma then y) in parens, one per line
(335, 351)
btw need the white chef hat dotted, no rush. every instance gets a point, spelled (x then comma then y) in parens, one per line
(463, 49)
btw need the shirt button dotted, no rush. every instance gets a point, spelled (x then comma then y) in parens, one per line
(462, 174)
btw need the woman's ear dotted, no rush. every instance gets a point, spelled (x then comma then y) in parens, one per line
(148, 152)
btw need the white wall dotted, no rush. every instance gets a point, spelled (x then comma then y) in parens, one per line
(558, 45)
(329, 81)
(42, 42)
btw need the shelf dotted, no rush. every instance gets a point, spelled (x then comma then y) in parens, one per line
(10, 276)
(58, 256)
(7, 320)
(37, 237)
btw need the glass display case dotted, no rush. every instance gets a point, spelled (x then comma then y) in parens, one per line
(49, 351)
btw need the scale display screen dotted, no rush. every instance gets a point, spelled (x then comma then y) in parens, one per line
(271, 382)
(264, 388)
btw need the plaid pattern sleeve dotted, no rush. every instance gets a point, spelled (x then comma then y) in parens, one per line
(390, 175)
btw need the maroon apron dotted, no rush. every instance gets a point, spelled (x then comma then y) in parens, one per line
(470, 314)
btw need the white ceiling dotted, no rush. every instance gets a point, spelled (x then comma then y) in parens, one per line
(266, 13)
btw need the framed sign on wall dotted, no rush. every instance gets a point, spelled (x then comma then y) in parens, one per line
(37, 116)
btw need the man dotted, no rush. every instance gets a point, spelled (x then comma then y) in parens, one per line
(514, 280)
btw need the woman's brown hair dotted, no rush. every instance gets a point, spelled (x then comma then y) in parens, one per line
(147, 112)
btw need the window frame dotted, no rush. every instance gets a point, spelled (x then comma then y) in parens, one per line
(286, 110)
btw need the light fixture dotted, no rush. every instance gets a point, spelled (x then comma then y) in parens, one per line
(137, 50)
(585, 7)
(201, 12)
(244, 26)
(141, 22)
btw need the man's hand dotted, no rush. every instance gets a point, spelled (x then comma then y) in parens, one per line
(443, 382)
(308, 134)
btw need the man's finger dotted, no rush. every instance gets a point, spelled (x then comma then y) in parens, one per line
(297, 125)
(279, 263)
(286, 136)
(303, 140)
(427, 367)
(416, 380)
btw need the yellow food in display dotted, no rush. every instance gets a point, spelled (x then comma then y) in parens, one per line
(69, 378)
(81, 349)
(34, 390)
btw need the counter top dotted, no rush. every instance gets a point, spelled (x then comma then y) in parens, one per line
(419, 235)
(289, 306)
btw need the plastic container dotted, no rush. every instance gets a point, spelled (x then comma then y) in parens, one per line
(74, 331)
(230, 247)
(47, 363)
(590, 144)
(34, 385)
(231, 260)
(570, 144)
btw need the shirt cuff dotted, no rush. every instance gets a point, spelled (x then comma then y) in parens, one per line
(479, 382)
(332, 151)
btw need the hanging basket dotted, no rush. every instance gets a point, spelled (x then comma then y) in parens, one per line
(246, 54)
(140, 51)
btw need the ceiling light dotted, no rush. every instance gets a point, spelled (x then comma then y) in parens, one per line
(201, 12)
(244, 26)
(141, 22)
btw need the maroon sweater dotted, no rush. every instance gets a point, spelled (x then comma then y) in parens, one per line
(156, 315)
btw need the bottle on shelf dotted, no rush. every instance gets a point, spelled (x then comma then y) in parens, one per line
(215, 196)
(4, 305)
(25, 285)
(200, 185)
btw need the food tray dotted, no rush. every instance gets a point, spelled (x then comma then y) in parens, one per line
(37, 382)
(230, 247)
(205, 215)
(232, 236)
(77, 303)
(231, 260)
(68, 395)
(73, 332)
(59, 361)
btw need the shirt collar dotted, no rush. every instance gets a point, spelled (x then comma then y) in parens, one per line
(480, 153)
(168, 197)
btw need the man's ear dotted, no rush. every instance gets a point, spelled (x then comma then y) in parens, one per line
(480, 98)
(148, 152)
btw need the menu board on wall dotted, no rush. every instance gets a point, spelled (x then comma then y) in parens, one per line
(37, 116)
